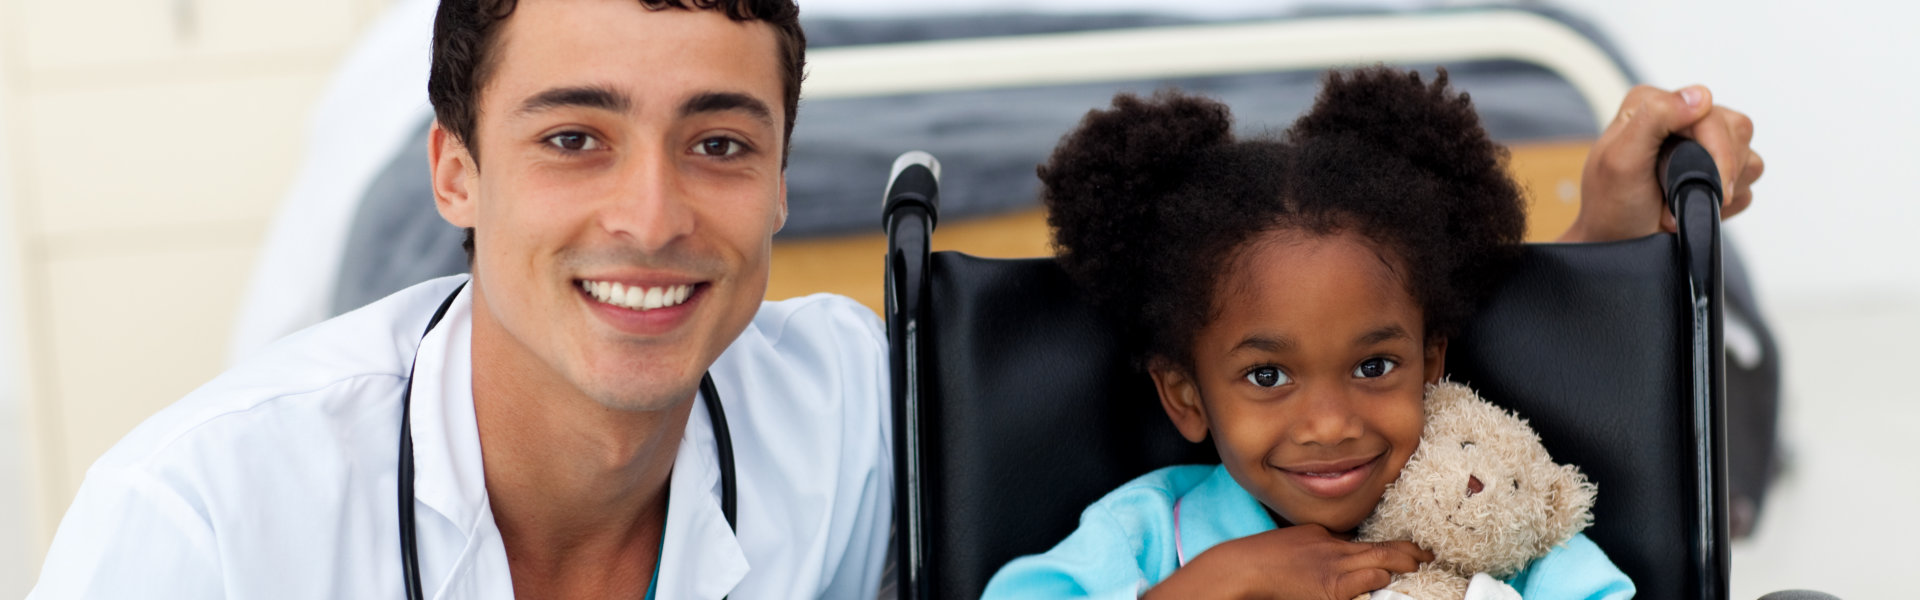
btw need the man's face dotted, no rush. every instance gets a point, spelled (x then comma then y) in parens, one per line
(630, 189)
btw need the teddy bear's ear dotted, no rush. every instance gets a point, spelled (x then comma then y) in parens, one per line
(1569, 505)
(1444, 396)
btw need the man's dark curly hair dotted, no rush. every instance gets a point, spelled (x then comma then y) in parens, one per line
(465, 31)
(1152, 200)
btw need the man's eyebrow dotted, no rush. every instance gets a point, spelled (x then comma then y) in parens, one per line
(586, 96)
(1264, 343)
(1390, 332)
(727, 101)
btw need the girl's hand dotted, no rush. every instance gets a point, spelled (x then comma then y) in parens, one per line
(1620, 196)
(1303, 562)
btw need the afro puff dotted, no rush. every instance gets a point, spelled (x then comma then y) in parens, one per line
(1151, 200)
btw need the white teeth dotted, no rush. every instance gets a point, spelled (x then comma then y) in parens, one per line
(636, 297)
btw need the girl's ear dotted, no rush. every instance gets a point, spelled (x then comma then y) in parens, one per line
(1436, 360)
(453, 176)
(1180, 395)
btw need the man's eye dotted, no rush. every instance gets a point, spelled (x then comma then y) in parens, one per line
(573, 141)
(720, 146)
(1374, 367)
(1268, 377)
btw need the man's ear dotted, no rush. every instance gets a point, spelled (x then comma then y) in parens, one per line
(455, 175)
(1436, 360)
(1180, 396)
(782, 223)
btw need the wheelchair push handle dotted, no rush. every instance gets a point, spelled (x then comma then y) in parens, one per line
(908, 212)
(1684, 166)
(1691, 182)
(913, 182)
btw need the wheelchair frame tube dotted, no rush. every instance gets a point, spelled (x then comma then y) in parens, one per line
(907, 256)
(909, 212)
(1693, 190)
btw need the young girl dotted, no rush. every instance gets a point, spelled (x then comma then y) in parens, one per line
(1293, 298)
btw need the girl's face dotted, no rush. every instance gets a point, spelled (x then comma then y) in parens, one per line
(1309, 377)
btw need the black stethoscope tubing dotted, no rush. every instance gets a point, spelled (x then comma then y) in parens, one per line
(409, 548)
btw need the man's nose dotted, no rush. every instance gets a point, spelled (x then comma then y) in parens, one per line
(1326, 416)
(649, 207)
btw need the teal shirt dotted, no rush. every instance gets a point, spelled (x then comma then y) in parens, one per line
(1127, 542)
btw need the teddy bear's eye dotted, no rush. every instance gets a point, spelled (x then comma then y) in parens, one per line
(1516, 484)
(1466, 444)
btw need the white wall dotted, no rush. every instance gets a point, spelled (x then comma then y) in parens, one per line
(1832, 88)
(16, 545)
(148, 149)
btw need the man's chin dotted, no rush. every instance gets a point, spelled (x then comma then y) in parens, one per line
(626, 401)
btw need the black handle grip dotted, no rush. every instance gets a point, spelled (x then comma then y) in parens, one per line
(1684, 163)
(915, 181)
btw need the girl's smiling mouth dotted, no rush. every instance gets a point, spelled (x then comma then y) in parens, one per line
(1333, 479)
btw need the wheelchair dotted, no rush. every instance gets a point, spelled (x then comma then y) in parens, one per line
(1016, 406)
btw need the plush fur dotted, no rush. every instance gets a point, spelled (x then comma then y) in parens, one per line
(1521, 508)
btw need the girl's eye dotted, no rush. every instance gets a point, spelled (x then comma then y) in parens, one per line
(1374, 367)
(720, 147)
(573, 141)
(1268, 377)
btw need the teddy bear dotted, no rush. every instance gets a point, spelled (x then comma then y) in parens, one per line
(1481, 493)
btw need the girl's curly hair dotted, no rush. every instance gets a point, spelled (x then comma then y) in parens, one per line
(1153, 199)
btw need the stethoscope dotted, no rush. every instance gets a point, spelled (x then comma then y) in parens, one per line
(410, 553)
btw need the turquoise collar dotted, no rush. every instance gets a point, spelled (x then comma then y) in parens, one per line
(1215, 511)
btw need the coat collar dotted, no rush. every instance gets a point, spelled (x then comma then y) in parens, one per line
(449, 476)
(701, 557)
(1215, 511)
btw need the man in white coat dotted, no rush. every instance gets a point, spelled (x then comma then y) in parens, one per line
(620, 164)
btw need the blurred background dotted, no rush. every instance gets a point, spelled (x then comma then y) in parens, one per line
(184, 180)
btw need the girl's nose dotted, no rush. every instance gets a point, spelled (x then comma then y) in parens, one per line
(1326, 417)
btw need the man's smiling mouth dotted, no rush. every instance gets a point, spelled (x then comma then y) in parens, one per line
(637, 297)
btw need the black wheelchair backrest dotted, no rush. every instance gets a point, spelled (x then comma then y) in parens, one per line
(1017, 405)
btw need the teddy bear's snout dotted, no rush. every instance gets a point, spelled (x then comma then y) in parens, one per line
(1474, 486)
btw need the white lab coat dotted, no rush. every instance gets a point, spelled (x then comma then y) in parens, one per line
(277, 479)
